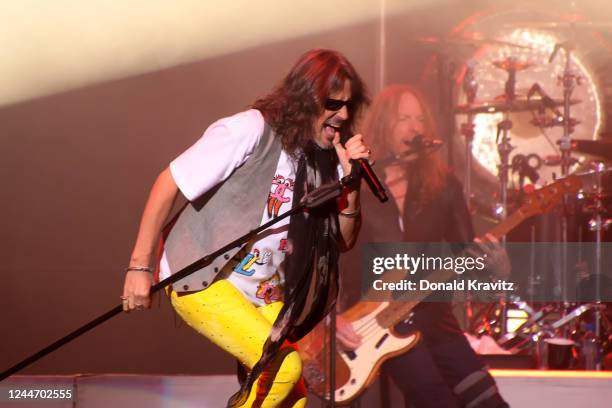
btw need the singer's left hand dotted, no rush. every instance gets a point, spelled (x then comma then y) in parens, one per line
(354, 148)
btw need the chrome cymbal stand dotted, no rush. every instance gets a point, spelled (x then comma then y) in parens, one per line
(568, 80)
(470, 87)
(597, 224)
(504, 148)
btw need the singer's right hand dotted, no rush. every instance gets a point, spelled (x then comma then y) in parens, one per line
(136, 291)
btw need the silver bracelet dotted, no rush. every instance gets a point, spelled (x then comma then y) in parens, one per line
(351, 214)
(140, 269)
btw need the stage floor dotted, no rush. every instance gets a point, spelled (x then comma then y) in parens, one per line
(521, 388)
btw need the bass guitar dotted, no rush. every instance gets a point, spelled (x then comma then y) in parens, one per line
(375, 321)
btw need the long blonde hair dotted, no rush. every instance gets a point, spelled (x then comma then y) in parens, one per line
(427, 175)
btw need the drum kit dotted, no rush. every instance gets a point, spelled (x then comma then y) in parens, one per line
(580, 327)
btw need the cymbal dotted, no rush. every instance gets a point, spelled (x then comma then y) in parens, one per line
(590, 172)
(511, 64)
(567, 23)
(469, 39)
(594, 147)
(592, 166)
(500, 104)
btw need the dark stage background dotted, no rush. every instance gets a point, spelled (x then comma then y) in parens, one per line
(77, 167)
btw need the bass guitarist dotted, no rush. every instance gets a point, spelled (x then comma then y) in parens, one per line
(428, 205)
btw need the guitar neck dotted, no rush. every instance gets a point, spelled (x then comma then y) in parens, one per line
(508, 224)
(398, 309)
(536, 203)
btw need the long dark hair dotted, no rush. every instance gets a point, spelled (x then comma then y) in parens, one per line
(427, 175)
(294, 105)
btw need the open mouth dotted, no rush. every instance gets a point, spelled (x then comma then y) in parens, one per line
(330, 129)
(333, 127)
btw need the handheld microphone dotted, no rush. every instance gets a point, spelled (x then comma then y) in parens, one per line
(366, 172)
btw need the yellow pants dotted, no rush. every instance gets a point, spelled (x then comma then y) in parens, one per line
(228, 319)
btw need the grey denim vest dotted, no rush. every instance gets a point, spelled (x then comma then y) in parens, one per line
(228, 211)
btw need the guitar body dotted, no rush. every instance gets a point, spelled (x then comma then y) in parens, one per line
(355, 369)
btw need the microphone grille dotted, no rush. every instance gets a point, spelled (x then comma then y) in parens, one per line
(417, 140)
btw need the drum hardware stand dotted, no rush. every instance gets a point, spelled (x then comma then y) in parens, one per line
(470, 87)
(544, 328)
(446, 67)
(597, 224)
(503, 139)
(509, 340)
(504, 148)
(569, 81)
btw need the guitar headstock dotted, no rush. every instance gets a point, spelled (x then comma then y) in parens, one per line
(548, 196)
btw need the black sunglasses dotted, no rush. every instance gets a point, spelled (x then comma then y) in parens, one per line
(337, 104)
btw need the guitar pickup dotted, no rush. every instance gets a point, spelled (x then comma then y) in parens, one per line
(381, 341)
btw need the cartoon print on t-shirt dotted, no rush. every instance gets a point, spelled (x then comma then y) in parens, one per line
(269, 290)
(282, 245)
(277, 197)
(250, 259)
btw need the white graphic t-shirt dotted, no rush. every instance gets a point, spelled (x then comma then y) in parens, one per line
(256, 270)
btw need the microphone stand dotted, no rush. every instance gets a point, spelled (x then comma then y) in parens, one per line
(314, 199)
(410, 154)
(332, 358)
